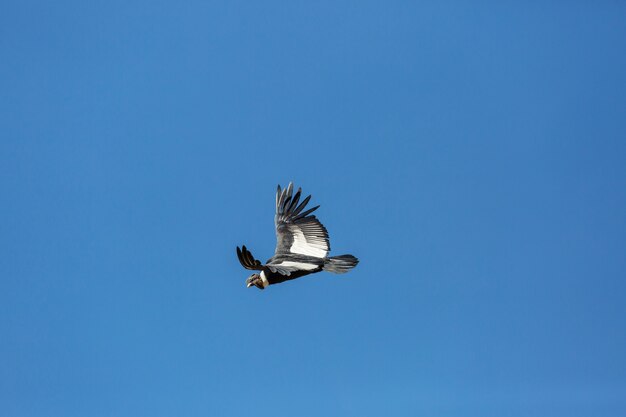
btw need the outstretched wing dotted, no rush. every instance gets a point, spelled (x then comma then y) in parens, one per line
(300, 264)
(247, 260)
(298, 232)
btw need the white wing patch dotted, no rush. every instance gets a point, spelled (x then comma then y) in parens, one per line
(313, 246)
(299, 265)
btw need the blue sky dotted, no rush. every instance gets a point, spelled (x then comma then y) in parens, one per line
(472, 156)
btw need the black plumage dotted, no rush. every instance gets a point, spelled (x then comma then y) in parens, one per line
(302, 245)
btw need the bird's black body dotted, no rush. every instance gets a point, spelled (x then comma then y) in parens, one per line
(302, 245)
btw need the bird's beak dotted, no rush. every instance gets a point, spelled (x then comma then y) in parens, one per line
(248, 285)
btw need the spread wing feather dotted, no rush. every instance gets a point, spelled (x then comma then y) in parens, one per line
(298, 232)
(247, 260)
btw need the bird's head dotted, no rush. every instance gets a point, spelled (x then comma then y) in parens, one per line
(256, 280)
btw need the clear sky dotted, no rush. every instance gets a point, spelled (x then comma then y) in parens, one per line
(472, 156)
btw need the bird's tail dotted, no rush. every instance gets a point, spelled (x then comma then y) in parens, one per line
(340, 264)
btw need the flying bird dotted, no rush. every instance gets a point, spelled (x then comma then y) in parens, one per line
(301, 245)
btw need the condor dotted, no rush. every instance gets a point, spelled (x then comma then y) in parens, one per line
(302, 245)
